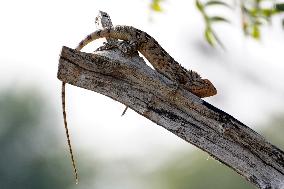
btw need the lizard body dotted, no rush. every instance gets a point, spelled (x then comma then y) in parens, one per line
(157, 56)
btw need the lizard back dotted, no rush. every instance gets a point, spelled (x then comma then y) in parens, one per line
(147, 46)
(157, 56)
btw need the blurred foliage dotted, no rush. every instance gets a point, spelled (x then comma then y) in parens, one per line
(197, 170)
(210, 35)
(31, 154)
(257, 13)
(155, 5)
(274, 131)
(254, 14)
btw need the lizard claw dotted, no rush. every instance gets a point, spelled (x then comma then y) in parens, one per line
(106, 46)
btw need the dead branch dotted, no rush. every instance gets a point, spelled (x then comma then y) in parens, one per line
(130, 81)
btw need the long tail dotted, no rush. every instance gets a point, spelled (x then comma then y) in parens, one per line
(117, 32)
(67, 132)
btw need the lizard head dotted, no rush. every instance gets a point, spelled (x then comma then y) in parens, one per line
(202, 88)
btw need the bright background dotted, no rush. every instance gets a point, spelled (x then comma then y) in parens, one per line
(128, 151)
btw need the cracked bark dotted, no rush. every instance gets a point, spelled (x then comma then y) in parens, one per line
(130, 81)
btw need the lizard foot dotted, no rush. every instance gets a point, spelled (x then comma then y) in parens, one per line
(128, 47)
(107, 46)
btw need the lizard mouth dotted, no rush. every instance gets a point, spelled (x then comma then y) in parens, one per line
(210, 90)
(206, 90)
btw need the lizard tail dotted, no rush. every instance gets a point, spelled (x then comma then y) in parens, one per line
(67, 132)
(117, 32)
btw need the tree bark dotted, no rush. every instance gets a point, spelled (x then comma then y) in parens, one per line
(130, 81)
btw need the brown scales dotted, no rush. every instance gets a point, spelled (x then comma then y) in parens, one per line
(158, 57)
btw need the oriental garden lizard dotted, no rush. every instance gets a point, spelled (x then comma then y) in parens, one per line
(137, 40)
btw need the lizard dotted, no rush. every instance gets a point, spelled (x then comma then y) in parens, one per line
(135, 39)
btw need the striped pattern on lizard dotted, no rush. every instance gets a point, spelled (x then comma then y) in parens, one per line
(157, 56)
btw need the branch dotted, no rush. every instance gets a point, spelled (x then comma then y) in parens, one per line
(130, 81)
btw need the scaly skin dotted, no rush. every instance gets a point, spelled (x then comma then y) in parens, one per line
(157, 56)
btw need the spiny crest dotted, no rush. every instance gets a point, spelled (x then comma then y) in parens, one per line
(193, 75)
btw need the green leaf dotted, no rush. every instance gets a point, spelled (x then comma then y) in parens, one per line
(267, 12)
(253, 12)
(214, 2)
(199, 6)
(209, 36)
(156, 6)
(255, 32)
(279, 7)
(218, 19)
(245, 27)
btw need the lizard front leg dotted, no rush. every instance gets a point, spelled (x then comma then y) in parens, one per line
(127, 47)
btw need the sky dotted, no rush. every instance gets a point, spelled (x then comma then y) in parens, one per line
(248, 74)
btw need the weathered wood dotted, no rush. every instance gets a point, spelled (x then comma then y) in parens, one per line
(130, 81)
